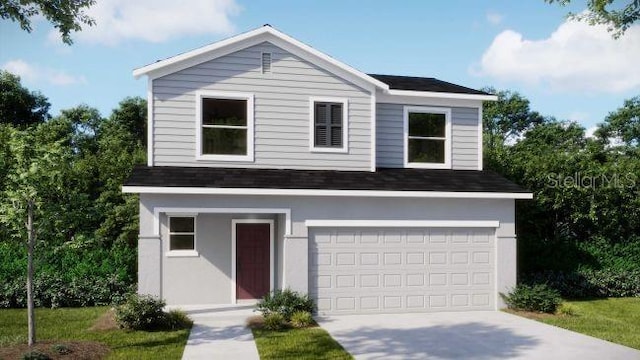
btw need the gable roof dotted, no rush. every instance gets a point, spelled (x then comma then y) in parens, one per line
(424, 84)
(398, 181)
(254, 37)
(386, 84)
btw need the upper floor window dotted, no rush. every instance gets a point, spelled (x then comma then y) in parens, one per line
(225, 126)
(427, 133)
(329, 125)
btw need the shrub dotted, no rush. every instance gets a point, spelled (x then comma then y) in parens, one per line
(61, 349)
(35, 355)
(255, 322)
(68, 275)
(141, 312)
(540, 298)
(285, 302)
(567, 309)
(176, 320)
(587, 283)
(274, 321)
(301, 319)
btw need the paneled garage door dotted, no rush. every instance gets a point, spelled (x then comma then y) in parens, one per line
(368, 270)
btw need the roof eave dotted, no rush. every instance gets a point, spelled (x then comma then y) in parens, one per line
(323, 192)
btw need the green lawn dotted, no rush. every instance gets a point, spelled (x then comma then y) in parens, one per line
(309, 343)
(73, 324)
(615, 320)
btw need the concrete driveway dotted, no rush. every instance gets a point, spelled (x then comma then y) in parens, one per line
(464, 335)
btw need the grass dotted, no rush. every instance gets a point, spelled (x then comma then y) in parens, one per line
(74, 323)
(308, 343)
(615, 319)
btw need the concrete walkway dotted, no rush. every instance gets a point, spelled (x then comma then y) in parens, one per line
(465, 335)
(220, 333)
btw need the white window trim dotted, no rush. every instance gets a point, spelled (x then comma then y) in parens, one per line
(447, 140)
(182, 253)
(250, 125)
(234, 299)
(345, 125)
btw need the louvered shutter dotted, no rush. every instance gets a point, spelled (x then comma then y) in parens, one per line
(322, 131)
(336, 125)
(328, 125)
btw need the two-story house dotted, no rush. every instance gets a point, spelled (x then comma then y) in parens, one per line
(272, 165)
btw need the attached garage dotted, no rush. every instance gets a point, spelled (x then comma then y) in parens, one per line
(406, 269)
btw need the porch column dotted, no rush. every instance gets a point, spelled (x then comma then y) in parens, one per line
(506, 274)
(149, 265)
(296, 263)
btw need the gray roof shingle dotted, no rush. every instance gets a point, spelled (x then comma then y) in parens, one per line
(384, 179)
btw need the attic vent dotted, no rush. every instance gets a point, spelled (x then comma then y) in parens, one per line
(266, 63)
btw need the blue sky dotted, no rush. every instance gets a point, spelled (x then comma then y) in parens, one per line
(567, 69)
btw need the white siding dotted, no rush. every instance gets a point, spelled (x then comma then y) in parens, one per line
(389, 137)
(281, 111)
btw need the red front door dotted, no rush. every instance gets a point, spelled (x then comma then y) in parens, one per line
(252, 260)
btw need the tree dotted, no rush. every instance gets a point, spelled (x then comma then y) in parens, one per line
(34, 172)
(623, 124)
(618, 19)
(65, 15)
(131, 114)
(19, 106)
(506, 119)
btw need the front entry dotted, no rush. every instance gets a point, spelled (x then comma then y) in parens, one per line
(253, 260)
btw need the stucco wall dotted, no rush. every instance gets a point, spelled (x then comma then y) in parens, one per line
(184, 277)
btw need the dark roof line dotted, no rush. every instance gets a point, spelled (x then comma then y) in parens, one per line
(384, 179)
(414, 83)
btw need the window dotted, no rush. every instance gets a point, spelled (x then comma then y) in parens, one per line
(182, 233)
(225, 126)
(328, 131)
(427, 137)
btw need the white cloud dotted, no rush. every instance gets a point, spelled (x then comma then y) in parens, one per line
(34, 73)
(155, 20)
(494, 18)
(20, 68)
(575, 57)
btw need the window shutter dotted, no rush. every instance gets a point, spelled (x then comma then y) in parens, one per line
(336, 114)
(336, 136)
(336, 125)
(321, 131)
(328, 124)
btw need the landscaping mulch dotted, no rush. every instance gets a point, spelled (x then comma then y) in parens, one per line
(79, 350)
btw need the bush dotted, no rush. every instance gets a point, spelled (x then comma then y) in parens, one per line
(255, 322)
(35, 355)
(301, 319)
(176, 320)
(274, 321)
(61, 349)
(285, 302)
(540, 298)
(67, 276)
(567, 310)
(586, 283)
(141, 312)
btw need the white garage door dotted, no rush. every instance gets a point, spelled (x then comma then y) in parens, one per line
(355, 270)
